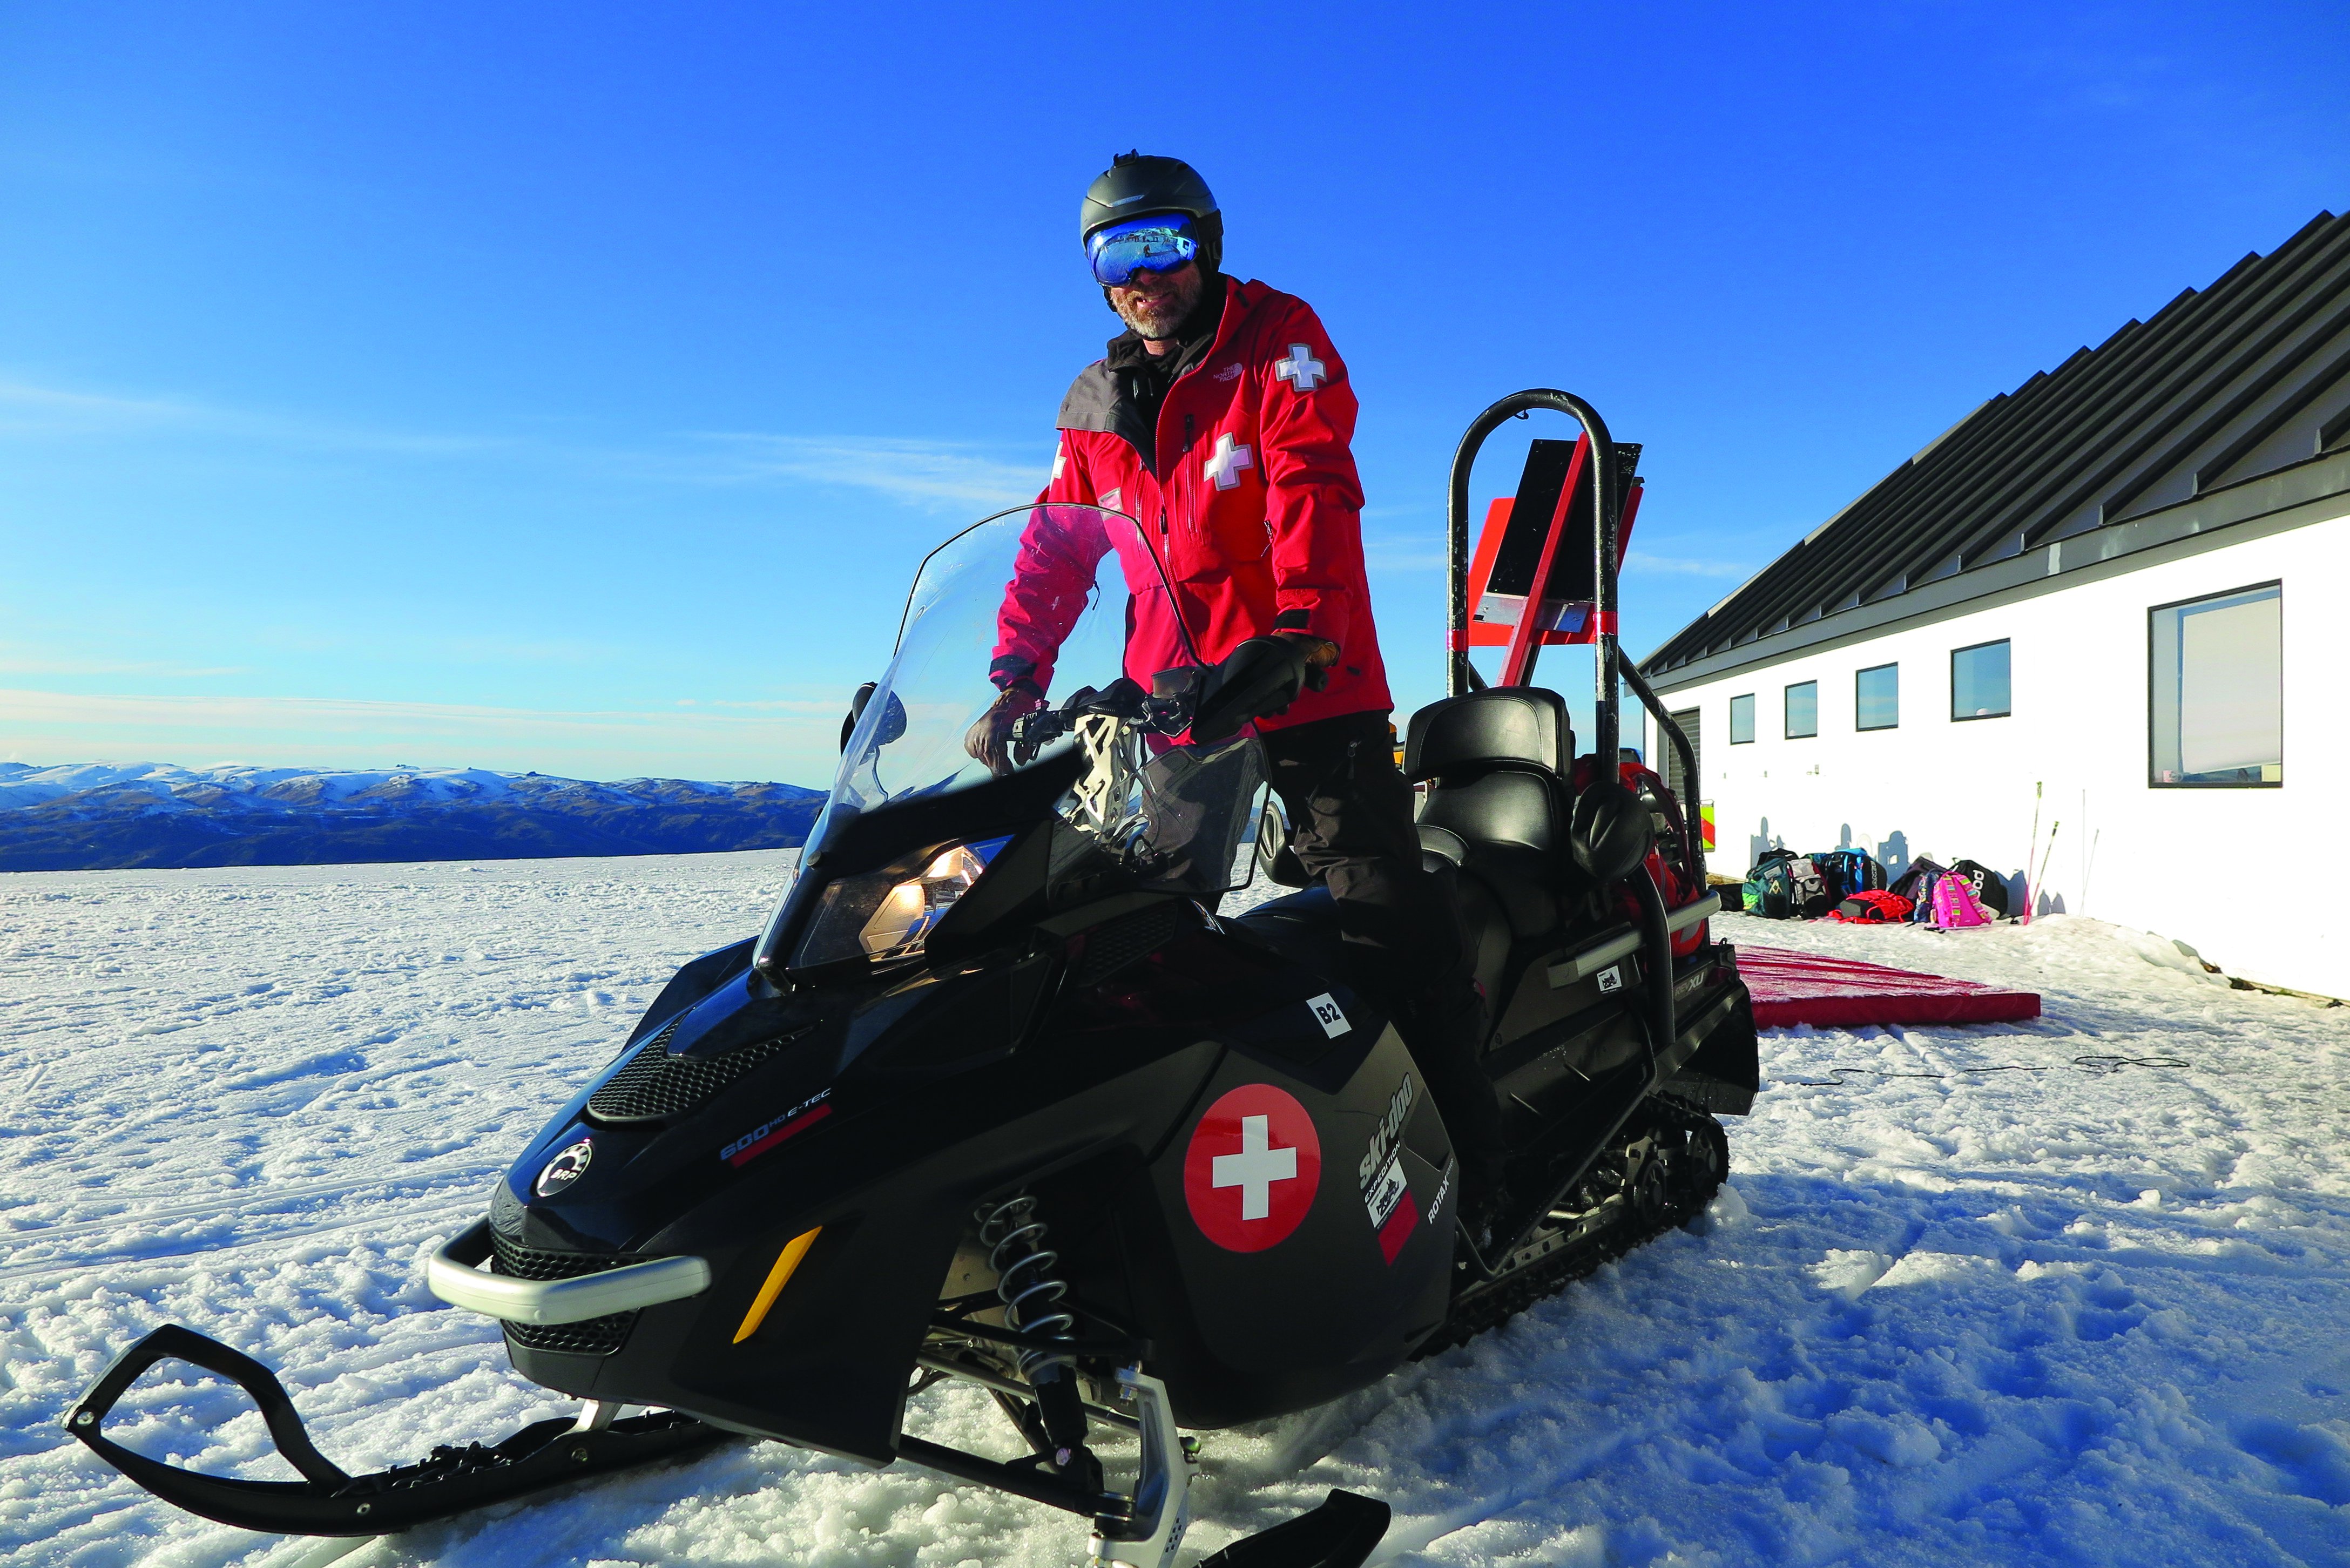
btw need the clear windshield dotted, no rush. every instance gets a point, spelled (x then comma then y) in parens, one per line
(1045, 592)
(1067, 599)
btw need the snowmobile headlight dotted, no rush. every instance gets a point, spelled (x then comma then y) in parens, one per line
(889, 914)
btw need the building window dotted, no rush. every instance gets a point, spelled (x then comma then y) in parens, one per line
(1803, 709)
(2215, 684)
(1979, 682)
(1742, 719)
(1876, 697)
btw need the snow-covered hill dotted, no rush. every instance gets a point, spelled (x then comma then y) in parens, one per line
(1998, 1295)
(87, 817)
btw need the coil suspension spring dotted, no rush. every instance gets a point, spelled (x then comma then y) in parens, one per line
(1026, 1280)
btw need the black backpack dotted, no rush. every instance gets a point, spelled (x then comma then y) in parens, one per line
(1769, 891)
(1791, 887)
(1987, 886)
(1850, 871)
(1917, 883)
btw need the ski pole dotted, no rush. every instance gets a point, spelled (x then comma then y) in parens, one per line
(2044, 864)
(2031, 848)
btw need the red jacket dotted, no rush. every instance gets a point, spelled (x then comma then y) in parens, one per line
(1251, 498)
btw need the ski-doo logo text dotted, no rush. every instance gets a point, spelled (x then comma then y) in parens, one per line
(1386, 1193)
(564, 1168)
(1384, 1136)
(1252, 1168)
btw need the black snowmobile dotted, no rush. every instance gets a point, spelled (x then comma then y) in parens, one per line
(997, 1096)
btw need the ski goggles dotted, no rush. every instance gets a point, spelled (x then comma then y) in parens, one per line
(1161, 243)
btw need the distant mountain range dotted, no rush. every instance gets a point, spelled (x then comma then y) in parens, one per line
(101, 815)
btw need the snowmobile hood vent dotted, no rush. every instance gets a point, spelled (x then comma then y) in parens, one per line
(596, 1335)
(654, 1084)
(1110, 947)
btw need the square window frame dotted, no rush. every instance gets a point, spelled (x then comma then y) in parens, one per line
(2154, 610)
(2007, 713)
(1859, 728)
(1731, 727)
(1787, 735)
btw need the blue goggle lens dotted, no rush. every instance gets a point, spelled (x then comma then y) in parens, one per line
(1160, 243)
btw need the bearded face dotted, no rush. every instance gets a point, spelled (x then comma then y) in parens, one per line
(1155, 302)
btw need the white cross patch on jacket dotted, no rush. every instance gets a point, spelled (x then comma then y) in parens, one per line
(1225, 467)
(1302, 371)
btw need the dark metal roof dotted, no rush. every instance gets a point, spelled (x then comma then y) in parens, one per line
(2249, 376)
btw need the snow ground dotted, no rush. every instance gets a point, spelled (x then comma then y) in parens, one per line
(2090, 1314)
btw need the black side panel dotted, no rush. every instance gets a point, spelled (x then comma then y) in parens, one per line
(693, 982)
(828, 1367)
(1724, 1071)
(1335, 1305)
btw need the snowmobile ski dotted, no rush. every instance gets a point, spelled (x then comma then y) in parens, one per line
(327, 1501)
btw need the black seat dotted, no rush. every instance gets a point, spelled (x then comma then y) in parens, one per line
(1495, 763)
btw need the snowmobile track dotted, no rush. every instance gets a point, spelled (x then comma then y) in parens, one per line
(1491, 1304)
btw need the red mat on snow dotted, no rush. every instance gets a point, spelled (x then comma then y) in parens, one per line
(1791, 988)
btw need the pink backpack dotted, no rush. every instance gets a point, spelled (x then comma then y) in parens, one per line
(1955, 904)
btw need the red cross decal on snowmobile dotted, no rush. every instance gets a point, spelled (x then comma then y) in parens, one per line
(1252, 1168)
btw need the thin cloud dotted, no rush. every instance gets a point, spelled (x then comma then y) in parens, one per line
(29, 409)
(796, 742)
(177, 711)
(924, 472)
(1412, 553)
(942, 474)
(12, 662)
(1676, 565)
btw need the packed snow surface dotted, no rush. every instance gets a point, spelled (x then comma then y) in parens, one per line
(1989, 1294)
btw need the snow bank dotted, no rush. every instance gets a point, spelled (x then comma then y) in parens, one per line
(1998, 1300)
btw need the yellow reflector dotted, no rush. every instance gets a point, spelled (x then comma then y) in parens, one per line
(777, 1278)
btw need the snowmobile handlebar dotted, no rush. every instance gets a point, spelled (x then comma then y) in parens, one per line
(1166, 709)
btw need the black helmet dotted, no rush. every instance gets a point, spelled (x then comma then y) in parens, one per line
(1134, 186)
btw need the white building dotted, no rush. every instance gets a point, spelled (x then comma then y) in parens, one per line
(2124, 587)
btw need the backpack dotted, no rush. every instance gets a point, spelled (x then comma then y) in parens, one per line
(1987, 886)
(1955, 904)
(1766, 889)
(1850, 871)
(1787, 886)
(1876, 907)
(1917, 883)
(1807, 891)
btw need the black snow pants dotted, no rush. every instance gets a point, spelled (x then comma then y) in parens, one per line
(1351, 828)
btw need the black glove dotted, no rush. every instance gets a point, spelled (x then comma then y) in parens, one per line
(989, 741)
(1260, 678)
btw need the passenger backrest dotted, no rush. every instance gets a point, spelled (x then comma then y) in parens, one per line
(1524, 727)
(1495, 763)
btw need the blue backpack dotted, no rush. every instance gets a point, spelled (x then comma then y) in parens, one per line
(1850, 871)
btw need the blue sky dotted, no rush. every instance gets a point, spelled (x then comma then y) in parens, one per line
(572, 388)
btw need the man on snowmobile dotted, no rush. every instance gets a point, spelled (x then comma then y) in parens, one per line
(1221, 419)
